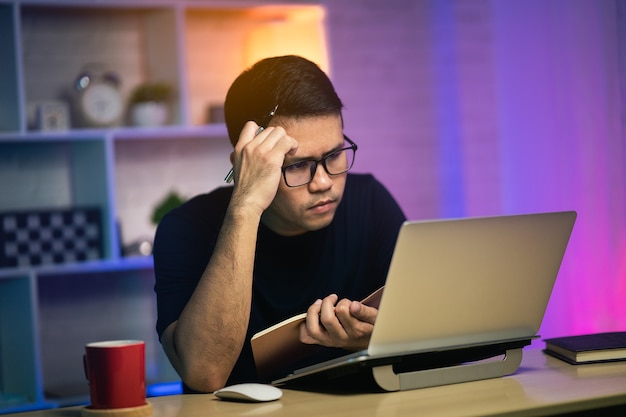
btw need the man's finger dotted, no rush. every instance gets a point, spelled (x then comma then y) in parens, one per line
(363, 312)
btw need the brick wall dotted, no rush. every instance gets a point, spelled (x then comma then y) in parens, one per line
(416, 78)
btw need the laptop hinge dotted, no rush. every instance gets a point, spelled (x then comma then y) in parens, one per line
(389, 380)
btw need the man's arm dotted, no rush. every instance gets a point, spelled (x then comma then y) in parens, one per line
(204, 343)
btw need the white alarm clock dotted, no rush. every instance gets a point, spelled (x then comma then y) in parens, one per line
(99, 100)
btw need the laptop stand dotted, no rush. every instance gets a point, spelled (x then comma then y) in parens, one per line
(391, 380)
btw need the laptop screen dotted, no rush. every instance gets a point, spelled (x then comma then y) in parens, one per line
(469, 281)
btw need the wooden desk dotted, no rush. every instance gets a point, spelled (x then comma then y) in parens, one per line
(542, 386)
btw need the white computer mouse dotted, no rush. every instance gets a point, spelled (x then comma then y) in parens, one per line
(249, 392)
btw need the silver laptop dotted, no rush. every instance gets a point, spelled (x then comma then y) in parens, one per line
(461, 299)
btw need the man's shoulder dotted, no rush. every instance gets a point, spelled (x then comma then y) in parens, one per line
(362, 181)
(364, 184)
(366, 198)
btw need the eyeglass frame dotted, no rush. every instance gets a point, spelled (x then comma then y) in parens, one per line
(322, 161)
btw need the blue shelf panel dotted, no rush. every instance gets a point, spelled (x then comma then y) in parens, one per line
(11, 406)
(20, 378)
(103, 266)
(9, 93)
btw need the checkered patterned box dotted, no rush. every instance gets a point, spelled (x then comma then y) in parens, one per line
(46, 237)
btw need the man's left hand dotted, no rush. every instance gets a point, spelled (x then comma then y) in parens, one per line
(344, 324)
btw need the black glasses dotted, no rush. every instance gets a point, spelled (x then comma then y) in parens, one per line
(335, 163)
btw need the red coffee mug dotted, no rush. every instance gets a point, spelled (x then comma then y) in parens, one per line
(116, 373)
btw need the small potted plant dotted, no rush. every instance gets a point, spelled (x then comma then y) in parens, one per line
(149, 103)
(169, 202)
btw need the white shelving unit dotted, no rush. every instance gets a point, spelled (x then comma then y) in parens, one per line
(48, 313)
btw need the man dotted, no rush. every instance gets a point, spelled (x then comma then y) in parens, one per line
(295, 233)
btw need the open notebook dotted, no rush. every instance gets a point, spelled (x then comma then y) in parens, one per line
(457, 291)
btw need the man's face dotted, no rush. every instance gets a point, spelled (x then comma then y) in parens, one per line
(309, 207)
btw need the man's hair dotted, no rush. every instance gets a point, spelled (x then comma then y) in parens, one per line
(298, 86)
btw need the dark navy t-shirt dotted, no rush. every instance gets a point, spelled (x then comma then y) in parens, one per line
(350, 258)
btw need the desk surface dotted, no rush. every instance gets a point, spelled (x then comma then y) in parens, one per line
(542, 386)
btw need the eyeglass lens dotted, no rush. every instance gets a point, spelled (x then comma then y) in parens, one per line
(303, 172)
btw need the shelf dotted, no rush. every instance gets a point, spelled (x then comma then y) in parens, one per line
(118, 133)
(199, 47)
(83, 167)
(209, 131)
(42, 175)
(74, 135)
(123, 264)
(137, 44)
(48, 313)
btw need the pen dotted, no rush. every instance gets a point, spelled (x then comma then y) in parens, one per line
(264, 123)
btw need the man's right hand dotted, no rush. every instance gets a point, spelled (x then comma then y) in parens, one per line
(257, 162)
